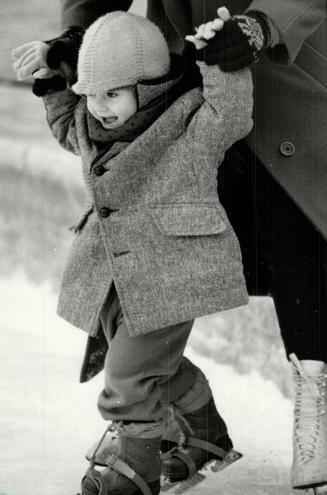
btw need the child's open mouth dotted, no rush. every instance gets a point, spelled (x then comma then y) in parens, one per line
(108, 121)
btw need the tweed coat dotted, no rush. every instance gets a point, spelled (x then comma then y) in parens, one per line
(290, 119)
(156, 228)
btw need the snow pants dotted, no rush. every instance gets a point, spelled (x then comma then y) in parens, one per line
(284, 256)
(144, 374)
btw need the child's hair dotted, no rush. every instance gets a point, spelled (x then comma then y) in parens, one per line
(118, 50)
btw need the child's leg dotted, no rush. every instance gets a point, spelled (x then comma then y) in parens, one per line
(142, 375)
(137, 369)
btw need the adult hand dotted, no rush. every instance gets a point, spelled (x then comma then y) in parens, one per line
(29, 58)
(238, 43)
(31, 61)
(208, 30)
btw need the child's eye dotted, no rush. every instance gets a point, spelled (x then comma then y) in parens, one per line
(111, 94)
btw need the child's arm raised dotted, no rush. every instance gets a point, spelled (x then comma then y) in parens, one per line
(226, 113)
(31, 60)
(60, 108)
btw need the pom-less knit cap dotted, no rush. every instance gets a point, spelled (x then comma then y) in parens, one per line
(120, 49)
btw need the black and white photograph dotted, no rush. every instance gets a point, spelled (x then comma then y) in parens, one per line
(163, 247)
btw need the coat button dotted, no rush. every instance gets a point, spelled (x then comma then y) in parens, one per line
(99, 170)
(104, 212)
(287, 148)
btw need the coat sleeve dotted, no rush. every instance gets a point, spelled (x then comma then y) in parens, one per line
(295, 21)
(225, 115)
(60, 108)
(83, 12)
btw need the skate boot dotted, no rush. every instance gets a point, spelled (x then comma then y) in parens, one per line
(309, 467)
(109, 444)
(205, 439)
(136, 468)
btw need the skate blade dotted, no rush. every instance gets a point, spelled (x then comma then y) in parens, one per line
(320, 490)
(316, 490)
(179, 487)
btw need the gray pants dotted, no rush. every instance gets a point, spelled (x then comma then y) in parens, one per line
(146, 373)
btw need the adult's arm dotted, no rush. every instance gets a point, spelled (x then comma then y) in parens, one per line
(295, 21)
(83, 12)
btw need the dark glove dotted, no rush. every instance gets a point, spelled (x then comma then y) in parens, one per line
(42, 86)
(239, 43)
(64, 48)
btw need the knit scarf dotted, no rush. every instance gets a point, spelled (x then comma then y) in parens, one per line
(154, 99)
(133, 128)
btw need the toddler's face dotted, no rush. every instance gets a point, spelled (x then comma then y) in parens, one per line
(112, 108)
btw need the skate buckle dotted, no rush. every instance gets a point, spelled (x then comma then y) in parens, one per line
(111, 460)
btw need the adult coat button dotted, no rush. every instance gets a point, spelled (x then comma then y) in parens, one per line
(99, 170)
(287, 148)
(104, 212)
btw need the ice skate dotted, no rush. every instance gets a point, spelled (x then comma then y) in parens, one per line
(136, 468)
(309, 469)
(99, 451)
(205, 443)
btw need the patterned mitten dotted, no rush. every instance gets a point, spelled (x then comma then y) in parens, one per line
(240, 42)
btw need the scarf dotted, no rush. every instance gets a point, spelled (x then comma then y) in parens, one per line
(154, 97)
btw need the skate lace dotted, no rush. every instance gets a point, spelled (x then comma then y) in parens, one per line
(112, 428)
(309, 406)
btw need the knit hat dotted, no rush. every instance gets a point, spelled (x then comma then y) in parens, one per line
(120, 49)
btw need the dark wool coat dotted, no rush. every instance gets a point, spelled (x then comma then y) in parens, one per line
(290, 120)
(155, 228)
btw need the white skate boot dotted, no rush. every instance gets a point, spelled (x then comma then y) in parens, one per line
(309, 469)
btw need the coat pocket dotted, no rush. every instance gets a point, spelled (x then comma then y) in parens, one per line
(188, 219)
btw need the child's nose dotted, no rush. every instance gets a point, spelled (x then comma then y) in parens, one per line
(101, 103)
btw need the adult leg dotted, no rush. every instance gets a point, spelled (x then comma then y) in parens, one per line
(284, 256)
(298, 286)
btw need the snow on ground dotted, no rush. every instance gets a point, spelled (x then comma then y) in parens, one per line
(49, 419)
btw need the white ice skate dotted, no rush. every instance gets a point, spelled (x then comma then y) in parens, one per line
(309, 469)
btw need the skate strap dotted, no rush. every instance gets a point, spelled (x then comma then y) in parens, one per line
(187, 459)
(123, 468)
(207, 446)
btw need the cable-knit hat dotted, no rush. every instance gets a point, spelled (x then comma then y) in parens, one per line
(120, 49)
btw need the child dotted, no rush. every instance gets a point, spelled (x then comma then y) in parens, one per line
(155, 249)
